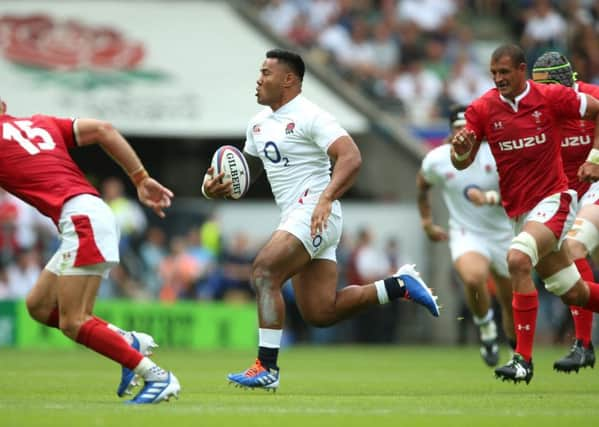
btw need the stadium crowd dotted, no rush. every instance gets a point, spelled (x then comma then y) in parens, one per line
(431, 52)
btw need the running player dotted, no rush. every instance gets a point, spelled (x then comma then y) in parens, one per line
(35, 166)
(479, 232)
(583, 238)
(520, 120)
(293, 140)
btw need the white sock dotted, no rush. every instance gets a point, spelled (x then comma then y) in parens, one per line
(150, 371)
(487, 326)
(270, 338)
(381, 292)
(478, 321)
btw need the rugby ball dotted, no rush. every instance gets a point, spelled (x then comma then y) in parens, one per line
(231, 161)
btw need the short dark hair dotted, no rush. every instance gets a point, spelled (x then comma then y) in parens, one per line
(291, 59)
(513, 51)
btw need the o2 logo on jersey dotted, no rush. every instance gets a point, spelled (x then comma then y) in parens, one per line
(272, 153)
(13, 131)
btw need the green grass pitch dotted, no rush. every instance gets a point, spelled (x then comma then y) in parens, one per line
(320, 386)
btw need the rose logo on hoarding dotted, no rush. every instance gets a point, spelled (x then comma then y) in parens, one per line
(72, 52)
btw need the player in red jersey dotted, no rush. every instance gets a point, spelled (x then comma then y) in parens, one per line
(35, 165)
(583, 238)
(519, 118)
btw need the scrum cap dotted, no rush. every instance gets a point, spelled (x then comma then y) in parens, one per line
(457, 117)
(553, 67)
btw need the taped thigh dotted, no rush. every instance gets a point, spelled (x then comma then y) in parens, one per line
(585, 232)
(527, 244)
(562, 281)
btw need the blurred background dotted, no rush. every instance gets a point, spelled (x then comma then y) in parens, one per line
(177, 78)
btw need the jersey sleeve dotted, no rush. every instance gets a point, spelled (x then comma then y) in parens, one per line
(66, 127)
(326, 130)
(430, 168)
(249, 146)
(566, 102)
(475, 114)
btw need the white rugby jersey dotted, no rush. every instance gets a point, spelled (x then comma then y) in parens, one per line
(292, 143)
(439, 171)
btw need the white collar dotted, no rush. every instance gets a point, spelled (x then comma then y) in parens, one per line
(518, 98)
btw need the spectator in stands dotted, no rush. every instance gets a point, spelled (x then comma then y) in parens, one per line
(279, 15)
(231, 282)
(152, 252)
(179, 272)
(419, 91)
(544, 29)
(23, 225)
(121, 284)
(23, 272)
(130, 217)
(466, 81)
(369, 262)
(431, 16)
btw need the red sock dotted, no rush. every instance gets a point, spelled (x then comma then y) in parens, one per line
(583, 323)
(54, 319)
(525, 307)
(593, 302)
(583, 319)
(95, 335)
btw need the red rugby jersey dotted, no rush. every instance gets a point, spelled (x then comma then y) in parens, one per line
(577, 141)
(524, 138)
(35, 164)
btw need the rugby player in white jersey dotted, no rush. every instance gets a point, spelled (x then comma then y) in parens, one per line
(293, 140)
(479, 235)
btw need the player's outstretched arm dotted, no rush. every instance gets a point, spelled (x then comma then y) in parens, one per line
(149, 191)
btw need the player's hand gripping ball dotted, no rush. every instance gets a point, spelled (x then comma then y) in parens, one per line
(231, 161)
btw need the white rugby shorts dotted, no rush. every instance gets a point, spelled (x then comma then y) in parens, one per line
(557, 212)
(322, 246)
(89, 238)
(492, 247)
(591, 197)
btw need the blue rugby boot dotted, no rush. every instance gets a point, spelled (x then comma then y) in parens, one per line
(157, 388)
(145, 344)
(257, 376)
(415, 288)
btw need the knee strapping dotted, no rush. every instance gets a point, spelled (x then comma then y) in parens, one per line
(585, 232)
(527, 244)
(562, 281)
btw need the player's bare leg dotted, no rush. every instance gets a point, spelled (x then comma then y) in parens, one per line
(281, 258)
(538, 242)
(503, 288)
(315, 283)
(76, 295)
(42, 304)
(473, 269)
